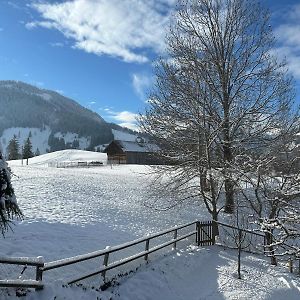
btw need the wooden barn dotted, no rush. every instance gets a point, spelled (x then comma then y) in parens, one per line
(131, 152)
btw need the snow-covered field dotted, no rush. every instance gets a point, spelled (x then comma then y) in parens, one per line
(78, 210)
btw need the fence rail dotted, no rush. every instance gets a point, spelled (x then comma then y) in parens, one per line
(75, 164)
(204, 232)
(201, 230)
(106, 253)
(37, 262)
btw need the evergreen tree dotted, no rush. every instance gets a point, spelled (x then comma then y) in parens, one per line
(75, 144)
(37, 152)
(13, 149)
(27, 151)
(8, 205)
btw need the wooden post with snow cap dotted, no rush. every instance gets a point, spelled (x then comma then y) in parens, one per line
(147, 249)
(198, 233)
(175, 237)
(105, 261)
(291, 265)
(39, 271)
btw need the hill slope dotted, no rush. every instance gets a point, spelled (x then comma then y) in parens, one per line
(55, 122)
(70, 155)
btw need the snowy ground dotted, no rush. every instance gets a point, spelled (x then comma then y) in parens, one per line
(75, 211)
(206, 273)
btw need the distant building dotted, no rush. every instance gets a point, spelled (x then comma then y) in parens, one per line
(131, 152)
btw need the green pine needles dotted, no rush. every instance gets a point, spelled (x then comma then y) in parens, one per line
(9, 208)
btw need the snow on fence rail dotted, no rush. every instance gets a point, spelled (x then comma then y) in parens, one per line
(37, 262)
(202, 231)
(75, 164)
(256, 242)
(106, 253)
(228, 234)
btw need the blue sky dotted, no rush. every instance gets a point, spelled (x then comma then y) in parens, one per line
(101, 52)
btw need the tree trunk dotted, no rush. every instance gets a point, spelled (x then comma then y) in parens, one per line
(228, 156)
(239, 254)
(269, 241)
(229, 196)
(215, 229)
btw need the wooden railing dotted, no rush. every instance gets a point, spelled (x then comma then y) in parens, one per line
(36, 283)
(106, 253)
(75, 164)
(202, 231)
(256, 241)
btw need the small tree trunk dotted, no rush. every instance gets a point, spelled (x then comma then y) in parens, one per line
(239, 254)
(269, 241)
(215, 229)
(229, 197)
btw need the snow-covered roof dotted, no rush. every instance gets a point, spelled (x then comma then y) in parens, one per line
(133, 142)
(137, 147)
(123, 136)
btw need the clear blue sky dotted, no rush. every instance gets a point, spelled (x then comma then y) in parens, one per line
(101, 52)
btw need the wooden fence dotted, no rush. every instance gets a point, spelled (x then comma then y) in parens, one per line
(202, 231)
(75, 164)
(37, 262)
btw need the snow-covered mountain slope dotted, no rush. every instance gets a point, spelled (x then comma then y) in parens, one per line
(71, 155)
(25, 106)
(39, 138)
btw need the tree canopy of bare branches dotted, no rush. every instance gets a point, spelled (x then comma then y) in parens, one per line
(221, 97)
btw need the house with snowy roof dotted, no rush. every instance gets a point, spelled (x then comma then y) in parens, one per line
(138, 151)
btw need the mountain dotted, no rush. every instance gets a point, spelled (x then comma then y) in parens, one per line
(52, 121)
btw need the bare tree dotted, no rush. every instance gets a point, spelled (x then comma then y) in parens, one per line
(272, 191)
(219, 95)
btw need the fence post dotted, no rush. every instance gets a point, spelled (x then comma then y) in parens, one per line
(39, 272)
(105, 262)
(147, 249)
(291, 265)
(175, 237)
(198, 233)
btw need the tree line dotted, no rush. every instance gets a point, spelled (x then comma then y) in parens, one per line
(13, 150)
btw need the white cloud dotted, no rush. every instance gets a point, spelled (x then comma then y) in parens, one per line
(60, 92)
(45, 24)
(124, 29)
(141, 84)
(37, 83)
(288, 37)
(57, 44)
(292, 57)
(123, 118)
(130, 126)
(90, 104)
